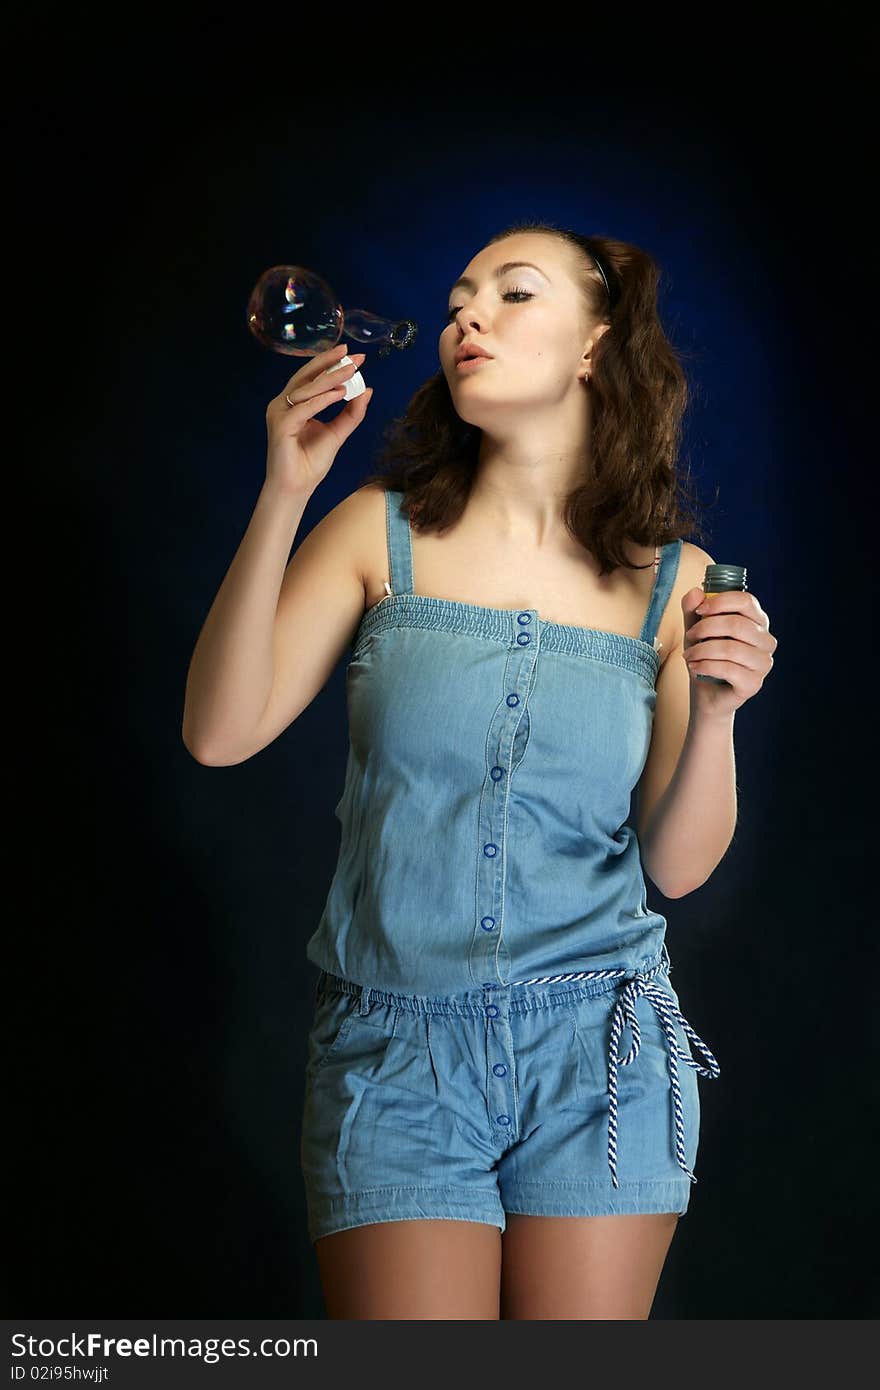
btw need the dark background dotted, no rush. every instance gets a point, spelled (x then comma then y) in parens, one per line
(158, 992)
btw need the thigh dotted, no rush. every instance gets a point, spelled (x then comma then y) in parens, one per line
(583, 1266)
(412, 1269)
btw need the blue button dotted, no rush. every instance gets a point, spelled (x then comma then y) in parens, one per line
(524, 618)
(496, 774)
(490, 851)
(500, 1069)
(491, 1010)
(488, 923)
(503, 1119)
(523, 639)
(513, 699)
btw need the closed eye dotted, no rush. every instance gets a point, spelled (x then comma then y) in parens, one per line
(519, 295)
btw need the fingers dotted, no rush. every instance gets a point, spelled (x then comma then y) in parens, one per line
(322, 362)
(328, 381)
(312, 370)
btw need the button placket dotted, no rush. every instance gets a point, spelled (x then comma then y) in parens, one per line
(487, 938)
(501, 1100)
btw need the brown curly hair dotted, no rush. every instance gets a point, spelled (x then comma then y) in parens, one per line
(639, 394)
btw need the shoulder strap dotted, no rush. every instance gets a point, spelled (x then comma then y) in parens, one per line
(664, 578)
(400, 566)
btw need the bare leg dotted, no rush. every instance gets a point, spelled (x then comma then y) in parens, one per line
(583, 1266)
(412, 1269)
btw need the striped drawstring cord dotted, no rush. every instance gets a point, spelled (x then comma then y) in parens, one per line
(625, 1014)
(640, 986)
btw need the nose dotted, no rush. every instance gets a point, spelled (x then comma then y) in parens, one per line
(471, 320)
(468, 317)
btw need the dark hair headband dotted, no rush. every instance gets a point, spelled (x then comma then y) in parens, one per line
(612, 298)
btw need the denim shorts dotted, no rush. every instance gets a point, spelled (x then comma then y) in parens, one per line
(470, 1106)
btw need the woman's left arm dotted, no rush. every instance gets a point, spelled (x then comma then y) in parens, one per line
(726, 635)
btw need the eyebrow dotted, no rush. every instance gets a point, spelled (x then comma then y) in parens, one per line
(498, 272)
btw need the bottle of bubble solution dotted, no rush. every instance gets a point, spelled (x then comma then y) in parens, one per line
(721, 579)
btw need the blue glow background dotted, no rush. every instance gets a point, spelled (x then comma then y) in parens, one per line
(164, 1033)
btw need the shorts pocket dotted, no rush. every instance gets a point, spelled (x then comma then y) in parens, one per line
(333, 1017)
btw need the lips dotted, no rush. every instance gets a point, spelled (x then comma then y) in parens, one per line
(468, 364)
(469, 350)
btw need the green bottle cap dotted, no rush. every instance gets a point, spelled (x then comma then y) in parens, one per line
(723, 578)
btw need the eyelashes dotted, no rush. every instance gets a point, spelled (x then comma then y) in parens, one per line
(518, 295)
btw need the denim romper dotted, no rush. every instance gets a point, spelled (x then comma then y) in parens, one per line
(486, 937)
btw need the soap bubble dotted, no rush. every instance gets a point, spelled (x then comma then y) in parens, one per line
(294, 311)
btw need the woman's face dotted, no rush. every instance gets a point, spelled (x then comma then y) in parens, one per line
(530, 318)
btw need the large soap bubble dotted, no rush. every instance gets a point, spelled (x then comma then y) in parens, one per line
(294, 311)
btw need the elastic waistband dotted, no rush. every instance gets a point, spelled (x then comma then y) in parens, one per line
(520, 996)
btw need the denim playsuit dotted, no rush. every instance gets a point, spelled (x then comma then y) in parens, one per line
(486, 938)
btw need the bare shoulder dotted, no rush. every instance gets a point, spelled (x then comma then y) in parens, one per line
(366, 510)
(371, 498)
(692, 564)
(369, 519)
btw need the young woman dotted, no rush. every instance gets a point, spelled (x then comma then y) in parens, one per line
(501, 1115)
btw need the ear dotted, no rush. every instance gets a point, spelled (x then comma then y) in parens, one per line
(594, 337)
